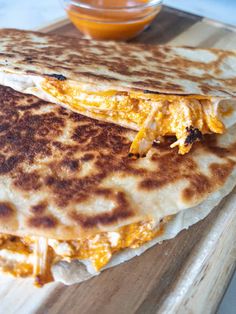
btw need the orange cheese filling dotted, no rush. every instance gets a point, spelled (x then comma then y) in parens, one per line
(100, 247)
(39, 254)
(153, 115)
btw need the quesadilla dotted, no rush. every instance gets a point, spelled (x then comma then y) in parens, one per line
(156, 90)
(72, 203)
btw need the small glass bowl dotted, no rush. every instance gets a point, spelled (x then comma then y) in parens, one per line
(106, 22)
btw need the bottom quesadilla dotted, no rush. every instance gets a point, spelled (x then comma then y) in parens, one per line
(72, 202)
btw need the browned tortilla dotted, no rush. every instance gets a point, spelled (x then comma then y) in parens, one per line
(160, 69)
(63, 175)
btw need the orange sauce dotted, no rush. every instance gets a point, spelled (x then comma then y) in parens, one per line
(113, 20)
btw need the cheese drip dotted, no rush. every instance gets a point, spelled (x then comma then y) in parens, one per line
(153, 115)
(42, 265)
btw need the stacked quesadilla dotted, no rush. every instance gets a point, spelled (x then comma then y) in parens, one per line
(70, 196)
(72, 201)
(158, 91)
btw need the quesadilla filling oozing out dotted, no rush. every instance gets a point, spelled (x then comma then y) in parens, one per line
(153, 115)
(34, 256)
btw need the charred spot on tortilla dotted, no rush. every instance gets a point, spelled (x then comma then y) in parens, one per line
(59, 77)
(43, 222)
(71, 165)
(194, 134)
(135, 156)
(6, 209)
(146, 91)
(39, 208)
(28, 59)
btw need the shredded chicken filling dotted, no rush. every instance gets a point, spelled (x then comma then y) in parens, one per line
(34, 256)
(153, 115)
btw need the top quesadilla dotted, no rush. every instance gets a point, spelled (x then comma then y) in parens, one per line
(156, 90)
(69, 192)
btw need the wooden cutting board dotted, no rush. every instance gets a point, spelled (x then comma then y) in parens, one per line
(188, 274)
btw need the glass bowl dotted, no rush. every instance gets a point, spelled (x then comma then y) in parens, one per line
(112, 19)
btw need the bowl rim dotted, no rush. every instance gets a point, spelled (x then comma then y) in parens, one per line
(81, 4)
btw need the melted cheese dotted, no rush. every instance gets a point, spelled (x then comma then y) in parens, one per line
(100, 247)
(42, 262)
(34, 256)
(16, 257)
(153, 115)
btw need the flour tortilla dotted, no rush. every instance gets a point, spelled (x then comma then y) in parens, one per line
(27, 58)
(77, 170)
(64, 176)
(119, 65)
(79, 271)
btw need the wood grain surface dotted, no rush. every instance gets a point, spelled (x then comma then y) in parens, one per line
(188, 274)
